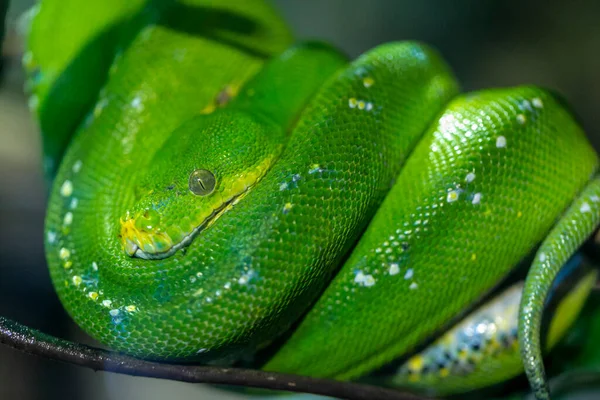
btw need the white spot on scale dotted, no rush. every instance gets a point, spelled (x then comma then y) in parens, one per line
(66, 188)
(64, 253)
(368, 82)
(585, 208)
(283, 186)
(243, 280)
(74, 203)
(470, 177)
(500, 142)
(537, 103)
(107, 303)
(525, 105)
(369, 281)
(364, 280)
(413, 286)
(453, 195)
(137, 103)
(359, 278)
(543, 257)
(394, 268)
(94, 266)
(77, 166)
(114, 312)
(521, 119)
(594, 198)
(481, 328)
(476, 198)
(68, 218)
(77, 280)
(201, 351)
(409, 274)
(51, 237)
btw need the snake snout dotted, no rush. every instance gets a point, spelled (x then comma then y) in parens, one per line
(142, 236)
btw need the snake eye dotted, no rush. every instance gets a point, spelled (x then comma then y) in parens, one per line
(202, 182)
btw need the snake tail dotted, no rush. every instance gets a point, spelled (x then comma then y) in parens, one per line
(576, 225)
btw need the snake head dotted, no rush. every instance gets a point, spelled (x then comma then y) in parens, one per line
(205, 167)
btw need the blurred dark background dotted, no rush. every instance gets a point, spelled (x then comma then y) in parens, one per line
(488, 43)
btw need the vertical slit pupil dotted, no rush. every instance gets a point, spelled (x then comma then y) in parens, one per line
(202, 182)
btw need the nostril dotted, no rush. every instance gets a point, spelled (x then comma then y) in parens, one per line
(148, 220)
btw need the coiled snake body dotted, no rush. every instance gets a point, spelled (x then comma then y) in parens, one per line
(210, 199)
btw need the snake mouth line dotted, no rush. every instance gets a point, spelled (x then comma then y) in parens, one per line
(155, 243)
(135, 251)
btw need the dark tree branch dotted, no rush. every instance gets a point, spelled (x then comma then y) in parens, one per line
(34, 342)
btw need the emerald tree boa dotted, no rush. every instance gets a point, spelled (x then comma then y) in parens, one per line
(222, 195)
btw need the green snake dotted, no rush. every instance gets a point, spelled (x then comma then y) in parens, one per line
(212, 190)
